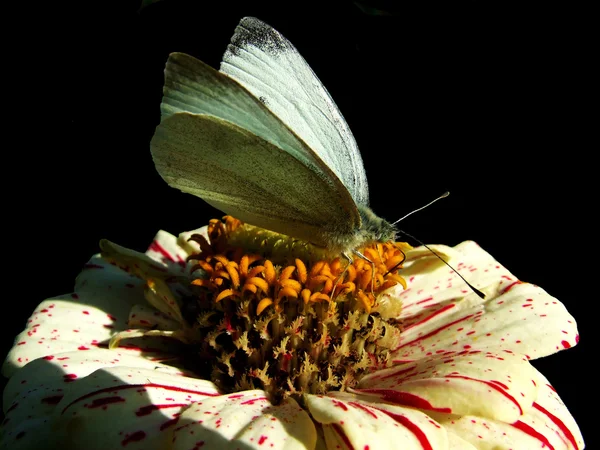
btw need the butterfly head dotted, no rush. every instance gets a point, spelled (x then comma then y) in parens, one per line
(374, 228)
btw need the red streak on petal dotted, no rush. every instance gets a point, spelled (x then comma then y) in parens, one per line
(53, 400)
(82, 347)
(137, 386)
(559, 423)
(341, 433)
(49, 357)
(169, 423)
(434, 332)
(262, 439)
(404, 398)
(502, 385)
(339, 404)
(100, 402)
(493, 384)
(93, 266)
(155, 246)
(428, 318)
(252, 401)
(531, 432)
(412, 427)
(86, 312)
(145, 410)
(566, 344)
(400, 372)
(14, 405)
(135, 437)
(510, 286)
(364, 408)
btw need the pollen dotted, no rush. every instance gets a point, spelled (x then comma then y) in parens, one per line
(285, 321)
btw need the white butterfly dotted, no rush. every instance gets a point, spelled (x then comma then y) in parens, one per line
(263, 141)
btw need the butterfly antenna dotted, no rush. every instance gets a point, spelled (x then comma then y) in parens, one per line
(444, 195)
(473, 288)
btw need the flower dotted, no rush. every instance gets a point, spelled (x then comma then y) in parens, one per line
(111, 365)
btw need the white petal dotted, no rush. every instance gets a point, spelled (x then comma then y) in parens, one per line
(496, 385)
(530, 432)
(36, 391)
(353, 422)
(167, 249)
(245, 420)
(144, 316)
(549, 410)
(84, 320)
(126, 407)
(440, 313)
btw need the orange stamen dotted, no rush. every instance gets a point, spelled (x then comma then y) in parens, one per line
(301, 271)
(263, 304)
(269, 273)
(259, 283)
(226, 293)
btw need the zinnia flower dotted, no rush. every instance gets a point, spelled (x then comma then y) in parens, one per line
(198, 344)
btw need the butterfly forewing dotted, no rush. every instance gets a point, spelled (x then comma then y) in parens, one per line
(192, 86)
(270, 67)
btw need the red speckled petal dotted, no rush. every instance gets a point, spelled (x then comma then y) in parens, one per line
(515, 316)
(244, 420)
(166, 249)
(547, 425)
(353, 422)
(551, 417)
(496, 385)
(100, 306)
(431, 284)
(35, 391)
(104, 296)
(128, 408)
(145, 316)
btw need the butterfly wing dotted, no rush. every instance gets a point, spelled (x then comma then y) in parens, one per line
(218, 142)
(270, 67)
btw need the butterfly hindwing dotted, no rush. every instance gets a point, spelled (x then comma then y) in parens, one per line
(248, 177)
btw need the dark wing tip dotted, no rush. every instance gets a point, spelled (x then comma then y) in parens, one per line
(252, 32)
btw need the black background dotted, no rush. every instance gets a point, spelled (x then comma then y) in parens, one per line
(489, 102)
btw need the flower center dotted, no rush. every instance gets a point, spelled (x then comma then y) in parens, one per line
(265, 312)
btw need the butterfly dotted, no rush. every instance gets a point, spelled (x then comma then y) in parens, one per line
(262, 140)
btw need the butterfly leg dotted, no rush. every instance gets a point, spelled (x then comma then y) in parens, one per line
(349, 261)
